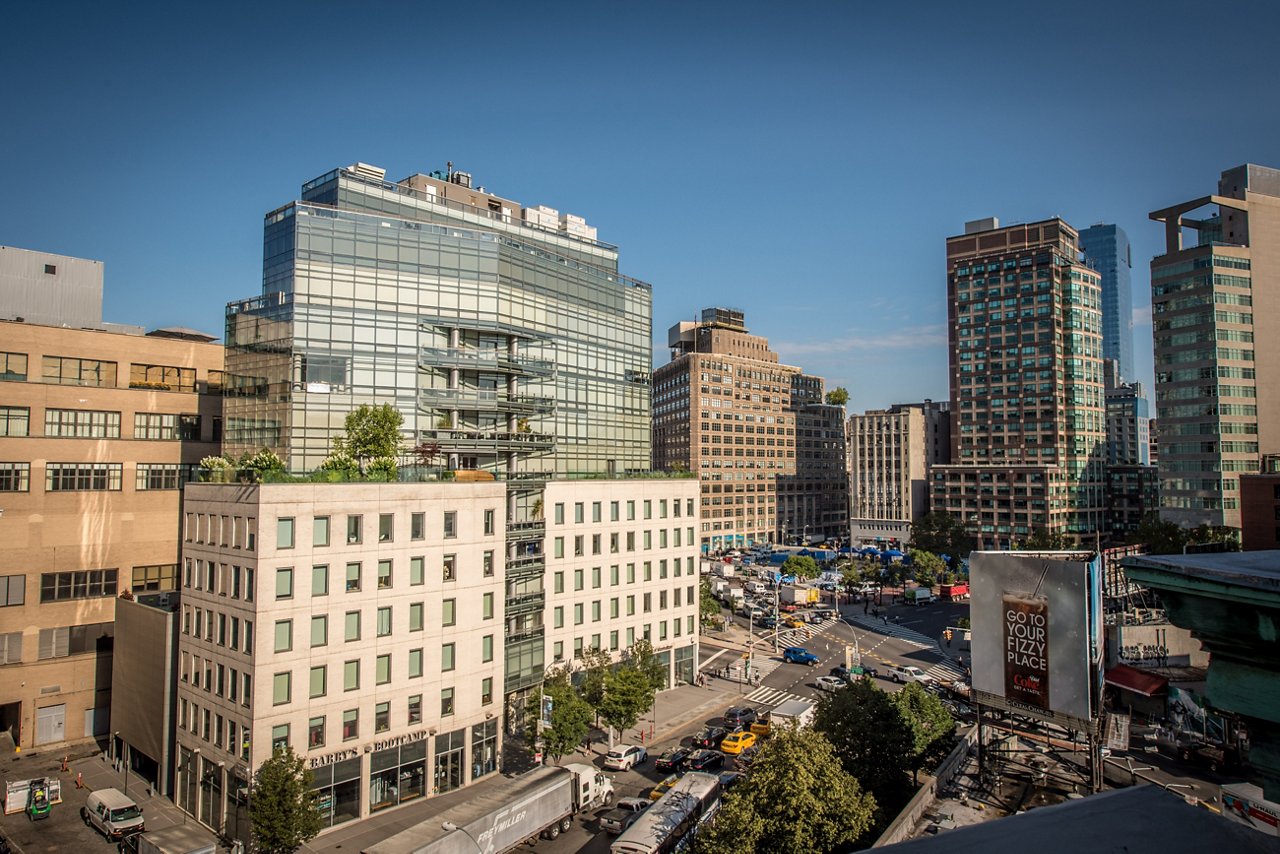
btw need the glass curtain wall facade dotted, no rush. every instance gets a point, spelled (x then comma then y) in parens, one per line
(508, 346)
(1106, 249)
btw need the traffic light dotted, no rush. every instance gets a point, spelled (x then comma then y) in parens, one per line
(947, 635)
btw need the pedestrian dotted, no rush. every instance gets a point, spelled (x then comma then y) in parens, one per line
(866, 606)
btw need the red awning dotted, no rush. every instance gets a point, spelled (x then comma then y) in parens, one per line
(1137, 681)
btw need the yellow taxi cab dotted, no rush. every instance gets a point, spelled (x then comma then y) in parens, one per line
(736, 742)
(663, 787)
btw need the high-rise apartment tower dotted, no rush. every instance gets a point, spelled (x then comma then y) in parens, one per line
(1106, 249)
(1028, 415)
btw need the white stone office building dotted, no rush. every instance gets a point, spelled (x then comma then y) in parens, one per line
(621, 564)
(360, 624)
(370, 625)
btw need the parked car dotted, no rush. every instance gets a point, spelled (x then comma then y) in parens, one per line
(624, 814)
(736, 742)
(710, 737)
(744, 759)
(799, 655)
(664, 786)
(113, 813)
(904, 673)
(729, 779)
(739, 717)
(830, 683)
(1212, 756)
(705, 760)
(673, 759)
(855, 672)
(625, 756)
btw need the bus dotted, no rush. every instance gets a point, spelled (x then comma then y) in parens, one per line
(669, 825)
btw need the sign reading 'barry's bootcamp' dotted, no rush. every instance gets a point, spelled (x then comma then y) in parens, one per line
(1026, 649)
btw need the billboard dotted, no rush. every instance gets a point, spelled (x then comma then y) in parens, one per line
(1036, 645)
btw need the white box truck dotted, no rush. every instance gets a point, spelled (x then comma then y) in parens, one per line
(501, 814)
(179, 839)
(792, 712)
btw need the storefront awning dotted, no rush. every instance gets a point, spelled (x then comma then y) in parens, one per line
(1137, 681)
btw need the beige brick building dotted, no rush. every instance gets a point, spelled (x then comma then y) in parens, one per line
(98, 432)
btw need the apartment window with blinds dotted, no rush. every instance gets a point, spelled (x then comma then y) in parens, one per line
(11, 648)
(163, 476)
(81, 424)
(15, 477)
(80, 584)
(15, 421)
(13, 590)
(83, 477)
(155, 578)
(60, 370)
(63, 641)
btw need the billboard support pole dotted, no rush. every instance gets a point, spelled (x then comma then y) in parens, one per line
(981, 751)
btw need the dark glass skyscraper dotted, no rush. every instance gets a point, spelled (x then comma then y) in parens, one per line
(1106, 247)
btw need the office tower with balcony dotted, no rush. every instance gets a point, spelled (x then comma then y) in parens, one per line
(1027, 406)
(727, 410)
(1106, 249)
(503, 334)
(1216, 315)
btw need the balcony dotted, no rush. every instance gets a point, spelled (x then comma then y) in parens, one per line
(483, 400)
(488, 359)
(533, 529)
(526, 603)
(490, 441)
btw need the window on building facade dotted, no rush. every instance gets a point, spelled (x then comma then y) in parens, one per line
(60, 370)
(81, 424)
(78, 584)
(83, 477)
(15, 477)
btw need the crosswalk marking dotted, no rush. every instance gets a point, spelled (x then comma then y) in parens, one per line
(909, 636)
(772, 696)
(945, 671)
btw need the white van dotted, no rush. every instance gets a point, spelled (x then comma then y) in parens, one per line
(755, 588)
(113, 813)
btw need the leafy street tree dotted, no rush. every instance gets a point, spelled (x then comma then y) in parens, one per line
(282, 804)
(643, 658)
(709, 608)
(871, 739)
(941, 534)
(930, 725)
(928, 566)
(802, 567)
(797, 799)
(262, 462)
(1159, 536)
(838, 396)
(372, 440)
(570, 715)
(1044, 540)
(628, 694)
(596, 664)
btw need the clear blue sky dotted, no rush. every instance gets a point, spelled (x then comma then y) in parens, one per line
(802, 161)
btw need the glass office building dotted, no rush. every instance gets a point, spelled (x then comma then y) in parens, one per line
(1106, 249)
(504, 335)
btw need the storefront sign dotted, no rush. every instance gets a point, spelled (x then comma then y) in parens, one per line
(333, 758)
(354, 752)
(398, 740)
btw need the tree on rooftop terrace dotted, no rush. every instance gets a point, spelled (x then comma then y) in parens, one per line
(838, 396)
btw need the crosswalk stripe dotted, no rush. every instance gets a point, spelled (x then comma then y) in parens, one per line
(771, 696)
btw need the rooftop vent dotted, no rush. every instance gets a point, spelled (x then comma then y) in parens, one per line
(367, 171)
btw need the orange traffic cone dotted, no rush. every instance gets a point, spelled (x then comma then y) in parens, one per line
(79, 780)
(64, 762)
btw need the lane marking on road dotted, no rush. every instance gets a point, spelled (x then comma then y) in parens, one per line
(713, 658)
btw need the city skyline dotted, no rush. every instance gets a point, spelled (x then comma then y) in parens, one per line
(869, 115)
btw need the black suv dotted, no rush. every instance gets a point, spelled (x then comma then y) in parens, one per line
(705, 760)
(710, 737)
(672, 759)
(739, 717)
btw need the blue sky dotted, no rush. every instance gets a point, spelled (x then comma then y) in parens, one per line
(803, 162)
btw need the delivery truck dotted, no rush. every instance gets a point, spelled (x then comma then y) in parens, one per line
(179, 839)
(799, 595)
(797, 713)
(499, 815)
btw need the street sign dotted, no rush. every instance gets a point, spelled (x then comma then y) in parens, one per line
(1118, 731)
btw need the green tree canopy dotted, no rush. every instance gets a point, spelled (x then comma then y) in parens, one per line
(928, 567)
(642, 657)
(282, 804)
(628, 694)
(939, 533)
(838, 396)
(709, 608)
(801, 566)
(931, 727)
(1160, 537)
(797, 799)
(1044, 540)
(570, 715)
(871, 739)
(596, 664)
(372, 440)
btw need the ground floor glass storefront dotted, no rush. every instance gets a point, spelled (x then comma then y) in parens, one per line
(339, 788)
(686, 664)
(397, 774)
